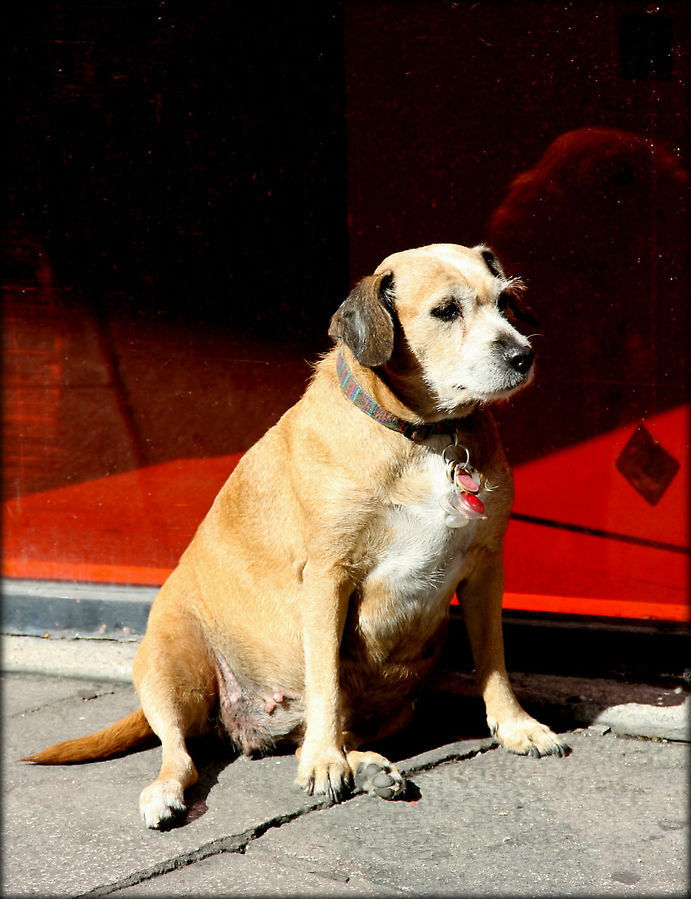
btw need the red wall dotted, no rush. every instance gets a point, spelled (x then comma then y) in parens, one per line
(193, 194)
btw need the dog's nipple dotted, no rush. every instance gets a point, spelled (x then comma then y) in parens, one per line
(276, 699)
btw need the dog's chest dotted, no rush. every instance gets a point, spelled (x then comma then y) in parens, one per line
(421, 557)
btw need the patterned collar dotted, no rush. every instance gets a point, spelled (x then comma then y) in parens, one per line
(367, 404)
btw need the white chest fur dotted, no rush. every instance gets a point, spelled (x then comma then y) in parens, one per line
(421, 561)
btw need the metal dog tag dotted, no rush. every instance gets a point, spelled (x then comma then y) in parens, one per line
(454, 518)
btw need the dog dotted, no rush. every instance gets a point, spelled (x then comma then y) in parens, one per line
(311, 604)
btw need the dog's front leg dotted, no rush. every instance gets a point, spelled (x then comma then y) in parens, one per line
(323, 766)
(480, 596)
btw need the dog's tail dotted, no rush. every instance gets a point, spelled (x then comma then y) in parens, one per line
(126, 734)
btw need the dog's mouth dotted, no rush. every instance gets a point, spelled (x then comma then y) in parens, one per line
(516, 380)
(511, 382)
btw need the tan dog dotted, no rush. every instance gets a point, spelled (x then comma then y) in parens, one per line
(312, 601)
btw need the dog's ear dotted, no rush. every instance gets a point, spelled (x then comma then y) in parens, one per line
(364, 321)
(491, 261)
(520, 312)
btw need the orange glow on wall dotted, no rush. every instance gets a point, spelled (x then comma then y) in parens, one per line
(582, 540)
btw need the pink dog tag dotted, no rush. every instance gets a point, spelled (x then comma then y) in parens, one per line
(464, 481)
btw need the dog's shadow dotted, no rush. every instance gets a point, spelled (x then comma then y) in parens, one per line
(438, 720)
(442, 716)
(211, 755)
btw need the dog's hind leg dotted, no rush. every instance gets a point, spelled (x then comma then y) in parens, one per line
(177, 688)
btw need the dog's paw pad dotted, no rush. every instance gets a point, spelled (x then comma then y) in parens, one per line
(380, 779)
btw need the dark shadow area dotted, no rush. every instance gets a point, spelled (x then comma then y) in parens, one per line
(447, 717)
(654, 653)
(211, 755)
(411, 792)
(190, 164)
(438, 719)
(175, 234)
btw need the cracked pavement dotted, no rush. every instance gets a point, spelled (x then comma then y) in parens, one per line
(609, 819)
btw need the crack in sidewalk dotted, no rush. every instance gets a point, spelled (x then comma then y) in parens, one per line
(239, 842)
(235, 843)
(452, 752)
(83, 696)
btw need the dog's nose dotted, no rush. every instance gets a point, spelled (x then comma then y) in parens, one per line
(519, 358)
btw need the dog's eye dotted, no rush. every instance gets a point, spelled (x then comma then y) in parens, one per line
(447, 311)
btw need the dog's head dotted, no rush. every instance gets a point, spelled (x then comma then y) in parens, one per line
(435, 324)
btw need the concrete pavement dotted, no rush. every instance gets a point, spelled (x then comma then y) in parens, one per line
(609, 819)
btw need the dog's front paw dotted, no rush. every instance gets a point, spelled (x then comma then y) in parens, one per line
(161, 804)
(323, 770)
(526, 736)
(376, 775)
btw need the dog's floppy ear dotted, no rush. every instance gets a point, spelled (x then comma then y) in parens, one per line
(364, 321)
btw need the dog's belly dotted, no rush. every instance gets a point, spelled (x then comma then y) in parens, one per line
(255, 718)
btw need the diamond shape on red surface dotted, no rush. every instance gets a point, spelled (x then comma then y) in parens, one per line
(647, 465)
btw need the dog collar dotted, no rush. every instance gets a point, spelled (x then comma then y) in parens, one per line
(371, 407)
